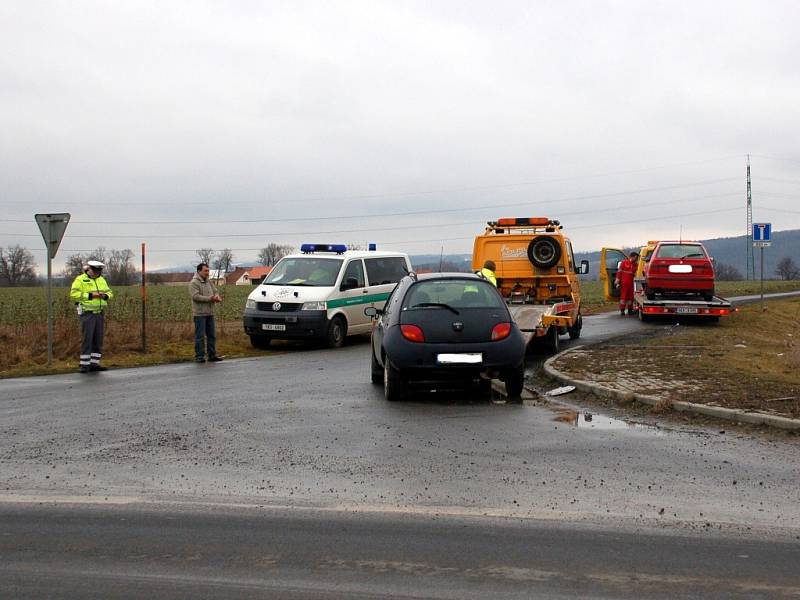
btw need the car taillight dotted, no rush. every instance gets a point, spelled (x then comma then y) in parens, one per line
(501, 331)
(412, 333)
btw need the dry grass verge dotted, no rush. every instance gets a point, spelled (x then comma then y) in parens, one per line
(749, 361)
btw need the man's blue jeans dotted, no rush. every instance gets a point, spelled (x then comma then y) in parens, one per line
(204, 328)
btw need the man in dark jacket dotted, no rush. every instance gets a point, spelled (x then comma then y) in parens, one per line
(204, 297)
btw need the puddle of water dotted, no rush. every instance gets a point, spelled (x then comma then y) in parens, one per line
(588, 420)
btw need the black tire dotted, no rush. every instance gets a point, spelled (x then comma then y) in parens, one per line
(575, 331)
(708, 297)
(393, 387)
(376, 371)
(515, 382)
(485, 388)
(643, 317)
(337, 332)
(551, 342)
(260, 341)
(544, 251)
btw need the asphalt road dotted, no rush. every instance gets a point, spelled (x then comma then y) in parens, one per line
(70, 552)
(437, 494)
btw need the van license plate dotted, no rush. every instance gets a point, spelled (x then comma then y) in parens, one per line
(271, 327)
(468, 358)
(682, 310)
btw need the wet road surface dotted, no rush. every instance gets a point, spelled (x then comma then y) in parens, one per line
(124, 552)
(304, 430)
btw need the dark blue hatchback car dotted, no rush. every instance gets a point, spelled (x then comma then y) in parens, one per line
(445, 328)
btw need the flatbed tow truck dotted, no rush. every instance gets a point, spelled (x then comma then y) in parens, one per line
(537, 275)
(646, 308)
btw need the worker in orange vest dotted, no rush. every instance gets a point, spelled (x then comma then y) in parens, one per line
(624, 281)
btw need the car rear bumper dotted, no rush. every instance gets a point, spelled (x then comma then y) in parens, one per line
(696, 284)
(305, 324)
(421, 360)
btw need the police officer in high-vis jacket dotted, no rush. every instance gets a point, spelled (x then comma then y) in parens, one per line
(91, 293)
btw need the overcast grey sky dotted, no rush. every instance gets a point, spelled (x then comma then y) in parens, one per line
(326, 121)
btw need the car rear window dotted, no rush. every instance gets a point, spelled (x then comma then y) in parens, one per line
(456, 293)
(680, 251)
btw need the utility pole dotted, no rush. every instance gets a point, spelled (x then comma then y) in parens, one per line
(751, 266)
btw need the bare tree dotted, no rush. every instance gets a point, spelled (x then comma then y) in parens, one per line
(120, 269)
(224, 260)
(74, 265)
(270, 254)
(787, 269)
(206, 255)
(725, 272)
(17, 266)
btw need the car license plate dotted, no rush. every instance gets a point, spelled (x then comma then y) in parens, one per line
(680, 268)
(682, 310)
(272, 327)
(467, 358)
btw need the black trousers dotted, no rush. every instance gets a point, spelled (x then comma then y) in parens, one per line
(92, 330)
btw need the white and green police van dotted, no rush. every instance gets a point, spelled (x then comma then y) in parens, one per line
(321, 294)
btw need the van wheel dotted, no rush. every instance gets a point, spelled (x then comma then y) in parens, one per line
(515, 382)
(575, 331)
(337, 331)
(260, 341)
(544, 251)
(551, 343)
(393, 387)
(376, 372)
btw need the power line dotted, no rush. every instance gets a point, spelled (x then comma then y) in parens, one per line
(365, 230)
(480, 188)
(427, 211)
(593, 226)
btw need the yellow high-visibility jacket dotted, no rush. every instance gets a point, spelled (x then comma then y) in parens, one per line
(488, 274)
(84, 284)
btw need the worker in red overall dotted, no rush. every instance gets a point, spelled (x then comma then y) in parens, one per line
(624, 281)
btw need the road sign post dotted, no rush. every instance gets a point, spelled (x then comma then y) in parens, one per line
(762, 238)
(52, 226)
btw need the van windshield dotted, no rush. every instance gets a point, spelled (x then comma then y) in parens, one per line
(310, 271)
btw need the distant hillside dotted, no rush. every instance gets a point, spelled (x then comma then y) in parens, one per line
(729, 251)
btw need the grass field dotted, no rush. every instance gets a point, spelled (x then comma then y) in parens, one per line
(23, 324)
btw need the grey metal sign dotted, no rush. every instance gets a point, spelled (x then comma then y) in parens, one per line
(52, 226)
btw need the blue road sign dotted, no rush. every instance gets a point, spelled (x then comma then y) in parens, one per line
(762, 232)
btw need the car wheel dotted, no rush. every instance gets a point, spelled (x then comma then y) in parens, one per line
(708, 296)
(575, 331)
(392, 382)
(544, 251)
(337, 331)
(515, 382)
(376, 372)
(551, 342)
(260, 341)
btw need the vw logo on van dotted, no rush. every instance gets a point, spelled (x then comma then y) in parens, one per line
(276, 306)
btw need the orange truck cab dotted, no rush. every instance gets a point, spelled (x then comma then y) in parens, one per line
(536, 274)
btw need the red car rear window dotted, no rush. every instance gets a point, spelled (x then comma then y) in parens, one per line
(680, 251)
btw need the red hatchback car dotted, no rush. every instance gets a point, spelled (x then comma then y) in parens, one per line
(679, 268)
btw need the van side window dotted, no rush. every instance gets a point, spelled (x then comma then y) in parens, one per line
(353, 275)
(393, 300)
(386, 269)
(571, 256)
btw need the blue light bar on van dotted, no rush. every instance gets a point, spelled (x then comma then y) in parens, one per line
(310, 248)
(372, 247)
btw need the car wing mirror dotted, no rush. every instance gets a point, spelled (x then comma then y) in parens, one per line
(583, 269)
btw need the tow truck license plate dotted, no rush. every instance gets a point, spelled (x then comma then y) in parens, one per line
(468, 358)
(272, 327)
(683, 310)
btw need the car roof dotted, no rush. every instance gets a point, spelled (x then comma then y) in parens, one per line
(454, 275)
(349, 254)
